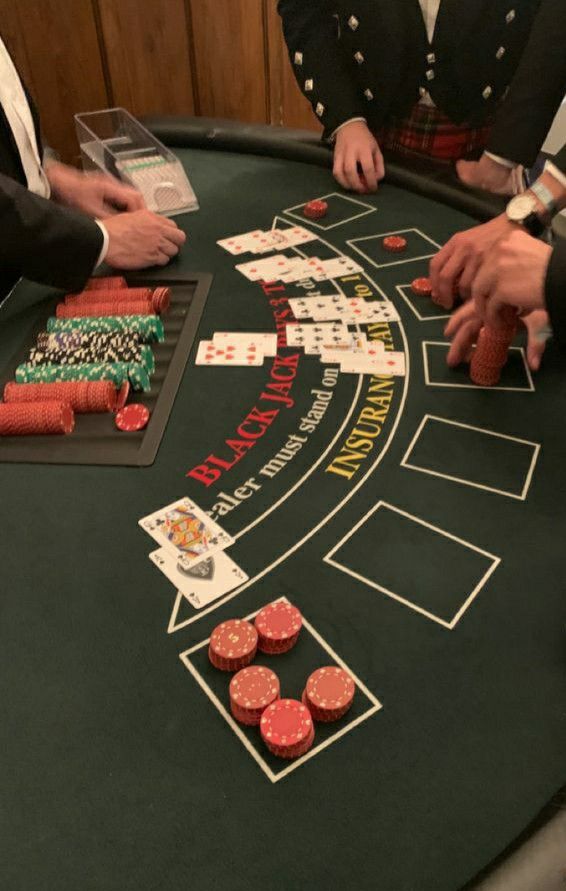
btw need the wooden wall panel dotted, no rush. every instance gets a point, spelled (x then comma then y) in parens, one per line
(288, 106)
(58, 50)
(229, 51)
(146, 47)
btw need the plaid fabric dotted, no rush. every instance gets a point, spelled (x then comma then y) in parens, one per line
(427, 131)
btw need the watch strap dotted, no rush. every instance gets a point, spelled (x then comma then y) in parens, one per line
(534, 225)
(545, 197)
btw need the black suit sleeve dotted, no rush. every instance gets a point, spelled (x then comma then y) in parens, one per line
(310, 31)
(555, 292)
(536, 91)
(43, 241)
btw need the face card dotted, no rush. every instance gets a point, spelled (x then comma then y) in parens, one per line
(265, 342)
(240, 244)
(228, 353)
(186, 531)
(203, 582)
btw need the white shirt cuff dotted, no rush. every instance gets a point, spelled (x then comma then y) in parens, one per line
(105, 243)
(332, 136)
(557, 174)
(499, 160)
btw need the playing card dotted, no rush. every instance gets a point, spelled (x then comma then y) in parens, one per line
(357, 345)
(229, 353)
(302, 269)
(339, 266)
(269, 241)
(240, 244)
(301, 307)
(203, 582)
(329, 308)
(263, 341)
(390, 363)
(295, 235)
(362, 311)
(267, 270)
(186, 531)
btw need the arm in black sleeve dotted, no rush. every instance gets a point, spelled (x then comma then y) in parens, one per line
(43, 241)
(310, 32)
(555, 292)
(536, 91)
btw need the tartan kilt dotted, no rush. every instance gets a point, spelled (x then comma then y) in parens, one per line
(426, 131)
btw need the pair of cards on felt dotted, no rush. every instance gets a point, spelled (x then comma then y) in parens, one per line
(191, 553)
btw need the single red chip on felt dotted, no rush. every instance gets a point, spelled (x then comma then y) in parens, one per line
(395, 244)
(329, 693)
(251, 690)
(315, 210)
(422, 286)
(278, 625)
(132, 417)
(287, 729)
(233, 645)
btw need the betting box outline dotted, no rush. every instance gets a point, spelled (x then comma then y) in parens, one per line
(408, 603)
(455, 479)
(352, 242)
(376, 705)
(471, 386)
(290, 211)
(401, 290)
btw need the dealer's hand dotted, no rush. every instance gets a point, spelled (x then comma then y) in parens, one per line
(464, 326)
(97, 195)
(356, 145)
(141, 239)
(487, 174)
(457, 263)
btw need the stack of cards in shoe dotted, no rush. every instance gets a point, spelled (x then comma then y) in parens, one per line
(236, 348)
(191, 553)
(280, 267)
(334, 307)
(353, 352)
(259, 242)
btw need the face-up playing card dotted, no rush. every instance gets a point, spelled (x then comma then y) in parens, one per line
(390, 363)
(268, 270)
(295, 236)
(228, 353)
(240, 244)
(338, 266)
(360, 310)
(313, 338)
(265, 342)
(335, 355)
(303, 269)
(203, 582)
(332, 308)
(186, 532)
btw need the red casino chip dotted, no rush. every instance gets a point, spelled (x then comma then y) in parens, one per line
(395, 244)
(36, 418)
(287, 728)
(329, 693)
(161, 300)
(251, 690)
(422, 287)
(132, 417)
(108, 282)
(96, 309)
(84, 397)
(122, 396)
(233, 645)
(315, 210)
(278, 626)
(109, 295)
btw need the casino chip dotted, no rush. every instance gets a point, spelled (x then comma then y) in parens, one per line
(233, 645)
(132, 417)
(278, 626)
(396, 244)
(422, 287)
(251, 690)
(315, 210)
(122, 396)
(329, 693)
(287, 729)
(36, 418)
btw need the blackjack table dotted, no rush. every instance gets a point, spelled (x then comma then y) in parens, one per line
(417, 521)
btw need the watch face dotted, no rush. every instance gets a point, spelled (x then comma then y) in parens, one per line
(520, 207)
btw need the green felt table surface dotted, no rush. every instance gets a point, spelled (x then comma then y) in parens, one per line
(431, 565)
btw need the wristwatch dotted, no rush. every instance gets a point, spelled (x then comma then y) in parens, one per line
(522, 209)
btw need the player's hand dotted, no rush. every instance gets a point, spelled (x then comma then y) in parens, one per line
(97, 195)
(141, 239)
(489, 175)
(356, 148)
(456, 264)
(512, 274)
(464, 327)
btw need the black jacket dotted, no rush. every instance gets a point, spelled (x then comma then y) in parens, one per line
(537, 90)
(39, 239)
(371, 58)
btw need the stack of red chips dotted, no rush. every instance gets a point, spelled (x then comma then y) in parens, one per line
(233, 645)
(251, 691)
(84, 397)
(159, 298)
(287, 728)
(97, 309)
(29, 418)
(315, 209)
(492, 349)
(329, 693)
(278, 626)
(105, 282)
